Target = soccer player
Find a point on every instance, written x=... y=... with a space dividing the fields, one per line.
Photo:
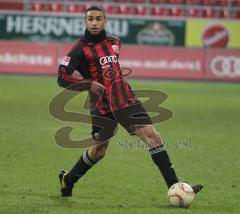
x=95 y=57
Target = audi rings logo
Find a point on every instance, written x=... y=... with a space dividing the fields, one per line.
x=223 y=66
x=108 y=59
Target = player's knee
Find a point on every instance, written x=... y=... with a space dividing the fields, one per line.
x=98 y=152
x=151 y=134
x=153 y=138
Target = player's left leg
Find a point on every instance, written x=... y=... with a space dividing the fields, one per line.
x=158 y=153
x=136 y=121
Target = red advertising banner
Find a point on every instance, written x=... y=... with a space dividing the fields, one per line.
x=155 y=62
x=145 y=62
x=27 y=58
x=223 y=64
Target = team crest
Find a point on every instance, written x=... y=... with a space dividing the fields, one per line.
x=115 y=48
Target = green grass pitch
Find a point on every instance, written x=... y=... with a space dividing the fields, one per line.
x=126 y=180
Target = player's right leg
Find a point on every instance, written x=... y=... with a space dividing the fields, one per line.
x=102 y=130
x=87 y=160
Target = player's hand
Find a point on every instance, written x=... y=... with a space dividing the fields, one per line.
x=97 y=88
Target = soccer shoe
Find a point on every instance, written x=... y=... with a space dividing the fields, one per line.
x=66 y=189
x=197 y=188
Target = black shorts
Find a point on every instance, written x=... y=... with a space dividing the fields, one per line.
x=104 y=126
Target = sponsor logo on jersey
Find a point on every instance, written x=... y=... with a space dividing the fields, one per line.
x=108 y=59
x=66 y=60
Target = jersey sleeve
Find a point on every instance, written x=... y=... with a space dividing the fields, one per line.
x=120 y=44
x=66 y=68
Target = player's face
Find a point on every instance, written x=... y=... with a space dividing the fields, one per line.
x=95 y=21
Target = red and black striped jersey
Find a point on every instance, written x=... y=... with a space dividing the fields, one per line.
x=97 y=59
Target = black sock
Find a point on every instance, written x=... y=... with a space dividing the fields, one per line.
x=79 y=169
x=161 y=159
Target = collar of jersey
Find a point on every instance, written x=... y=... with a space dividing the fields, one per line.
x=95 y=38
